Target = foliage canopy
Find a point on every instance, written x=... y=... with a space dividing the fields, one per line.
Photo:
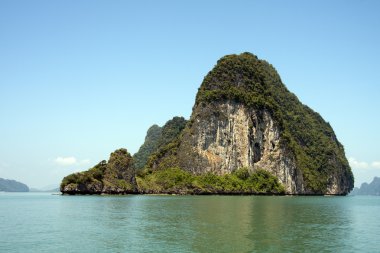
x=178 y=181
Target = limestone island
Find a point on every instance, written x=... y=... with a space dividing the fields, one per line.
x=247 y=134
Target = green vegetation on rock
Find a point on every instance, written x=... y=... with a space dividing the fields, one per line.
x=150 y=145
x=116 y=176
x=170 y=137
x=178 y=181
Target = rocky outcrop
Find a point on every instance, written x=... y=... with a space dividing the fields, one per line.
x=117 y=176
x=247 y=135
x=245 y=117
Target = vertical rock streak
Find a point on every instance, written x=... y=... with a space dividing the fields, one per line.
x=236 y=137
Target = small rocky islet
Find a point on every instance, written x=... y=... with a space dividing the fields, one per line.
x=248 y=134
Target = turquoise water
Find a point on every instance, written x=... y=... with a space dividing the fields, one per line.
x=42 y=222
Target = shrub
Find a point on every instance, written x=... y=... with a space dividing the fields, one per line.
x=176 y=180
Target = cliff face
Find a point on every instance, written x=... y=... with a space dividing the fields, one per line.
x=226 y=136
x=245 y=117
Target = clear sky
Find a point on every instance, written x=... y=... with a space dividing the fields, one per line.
x=79 y=79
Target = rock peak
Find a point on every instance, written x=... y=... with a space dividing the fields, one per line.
x=237 y=77
x=244 y=116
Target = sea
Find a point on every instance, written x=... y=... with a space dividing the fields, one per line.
x=50 y=222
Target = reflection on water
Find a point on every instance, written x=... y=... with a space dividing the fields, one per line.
x=220 y=224
x=297 y=223
x=47 y=223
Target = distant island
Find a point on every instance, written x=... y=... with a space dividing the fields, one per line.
x=372 y=188
x=248 y=134
x=8 y=185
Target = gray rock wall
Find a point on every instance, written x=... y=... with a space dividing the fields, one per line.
x=226 y=136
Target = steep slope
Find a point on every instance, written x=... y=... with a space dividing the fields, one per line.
x=244 y=116
x=170 y=136
x=149 y=146
x=117 y=176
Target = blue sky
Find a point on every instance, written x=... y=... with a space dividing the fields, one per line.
x=79 y=79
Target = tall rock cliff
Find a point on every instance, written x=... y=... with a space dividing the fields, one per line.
x=244 y=116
